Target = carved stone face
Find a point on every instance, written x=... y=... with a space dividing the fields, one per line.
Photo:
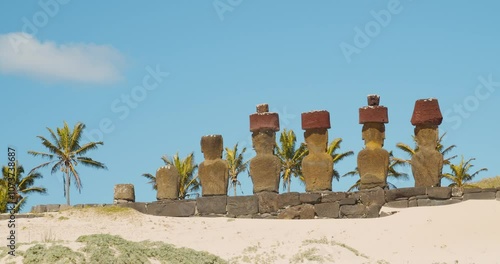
x=212 y=146
x=373 y=134
x=427 y=136
x=264 y=142
x=316 y=139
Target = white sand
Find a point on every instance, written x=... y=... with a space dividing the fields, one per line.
x=468 y=232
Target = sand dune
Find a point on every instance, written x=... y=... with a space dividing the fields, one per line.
x=467 y=232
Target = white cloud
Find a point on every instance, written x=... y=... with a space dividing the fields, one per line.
x=23 y=54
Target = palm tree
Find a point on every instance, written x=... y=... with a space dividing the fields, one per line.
x=439 y=147
x=66 y=153
x=460 y=175
x=236 y=165
x=391 y=173
x=3 y=196
x=290 y=156
x=332 y=148
x=186 y=167
x=23 y=186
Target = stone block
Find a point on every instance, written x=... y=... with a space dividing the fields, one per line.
x=140 y=207
x=444 y=202
x=439 y=192
x=268 y=202
x=426 y=112
x=424 y=202
x=498 y=195
x=333 y=197
x=353 y=211
x=392 y=195
x=303 y=211
x=373 y=211
x=348 y=201
x=242 y=205
x=330 y=210
x=167 y=182
x=211 y=205
x=124 y=192
x=264 y=121
x=63 y=207
x=472 y=190
x=310 y=198
x=479 y=196
x=457 y=192
x=172 y=208
x=315 y=119
x=373 y=114
x=397 y=204
x=38 y=209
x=288 y=199
x=412 y=203
x=53 y=207
x=370 y=196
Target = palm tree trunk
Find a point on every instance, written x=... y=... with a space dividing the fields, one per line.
x=234 y=185
x=289 y=181
x=67 y=188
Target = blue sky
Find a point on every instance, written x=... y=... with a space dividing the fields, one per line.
x=207 y=65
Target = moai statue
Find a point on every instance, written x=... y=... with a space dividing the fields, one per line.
x=317 y=166
x=373 y=160
x=214 y=171
x=167 y=183
x=265 y=167
x=427 y=162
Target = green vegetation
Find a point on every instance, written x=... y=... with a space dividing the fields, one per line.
x=236 y=165
x=290 y=156
x=65 y=152
x=23 y=187
x=54 y=254
x=460 y=175
x=493 y=182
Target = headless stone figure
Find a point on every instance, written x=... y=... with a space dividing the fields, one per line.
x=167 y=183
x=373 y=160
x=427 y=162
x=317 y=166
x=213 y=171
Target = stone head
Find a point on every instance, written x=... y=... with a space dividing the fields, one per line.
x=264 y=141
x=316 y=139
x=373 y=134
x=212 y=146
x=427 y=136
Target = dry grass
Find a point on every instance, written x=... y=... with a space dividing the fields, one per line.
x=493 y=182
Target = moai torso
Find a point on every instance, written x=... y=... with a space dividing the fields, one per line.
x=373 y=160
x=265 y=167
x=167 y=183
x=213 y=171
x=317 y=166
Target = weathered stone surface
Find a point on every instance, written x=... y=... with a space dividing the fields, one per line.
x=439 y=192
x=472 y=190
x=353 y=211
x=167 y=182
x=427 y=162
x=373 y=211
x=370 y=196
x=457 y=192
x=264 y=216
x=397 y=204
x=348 y=201
x=373 y=114
x=63 y=207
x=392 y=195
x=38 y=209
x=242 y=205
x=479 y=196
x=373 y=160
x=333 y=197
x=172 y=208
x=140 y=207
x=304 y=211
x=317 y=166
x=412 y=203
x=124 y=192
x=373 y=99
x=268 y=202
x=444 y=202
x=213 y=171
x=52 y=207
x=310 y=198
x=315 y=119
x=330 y=210
x=265 y=167
x=488 y=190
x=426 y=112
x=120 y=201
x=498 y=195
x=262 y=108
x=288 y=199
x=264 y=121
x=211 y=205
x=424 y=202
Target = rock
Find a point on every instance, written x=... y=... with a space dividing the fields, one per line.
x=124 y=192
x=63 y=207
x=479 y=196
x=304 y=211
x=333 y=197
x=457 y=192
x=498 y=195
x=310 y=198
x=288 y=199
x=439 y=192
x=140 y=207
x=397 y=204
x=330 y=210
x=268 y=202
x=52 y=207
x=167 y=182
x=348 y=201
x=371 y=196
x=472 y=190
x=426 y=112
x=373 y=211
x=307 y=211
x=242 y=205
x=444 y=202
x=373 y=160
x=211 y=205
x=412 y=203
x=213 y=171
x=392 y=195
x=264 y=121
x=38 y=209
x=353 y=211
x=172 y=208
x=424 y=202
